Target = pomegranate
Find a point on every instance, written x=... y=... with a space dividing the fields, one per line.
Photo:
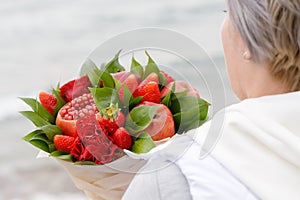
x=77 y=108
x=162 y=125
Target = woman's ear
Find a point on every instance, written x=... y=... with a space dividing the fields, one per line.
x=247 y=56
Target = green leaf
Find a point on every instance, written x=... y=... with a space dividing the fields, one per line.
x=142 y=144
x=186 y=119
x=189 y=112
x=84 y=163
x=62 y=155
x=60 y=102
x=39 y=109
x=38 y=139
x=51 y=130
x=152 y=67
x=203 y=107
x=140 y=118
x=166 y=100
x=127 y=96
x=87 y=67
x=40 y=144
x=35 y=118
x=94 y=77
x=136 y=68
x=178 y=95
x=114 y=66
x=134 y=101
x=118 y=84
x=34 y=135
x=29 y=136
x=162 y=80
x=51 y=147
x=104 y=97
x=186 y=103
x=129 y=101
x=107 y=79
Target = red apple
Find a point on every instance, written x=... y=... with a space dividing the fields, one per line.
x=180 y=86
x=162 y=125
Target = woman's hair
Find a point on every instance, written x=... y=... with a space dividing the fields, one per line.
x=271 y=31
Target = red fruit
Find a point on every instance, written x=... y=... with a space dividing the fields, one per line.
x=77 y=108
x=95 y=140
x=150 y=92
x=180 y=86
x=122 y=138
x=132 y=82
x=111 y=119
x=162 y=125
x=152 y=77
x=79 y=151
x=75 y=88
x=63 y=142
x=168 y=77
x=121 y=76
x=149 y=89
x=48 y=101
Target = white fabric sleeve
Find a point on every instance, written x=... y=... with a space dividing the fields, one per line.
x=158 y=180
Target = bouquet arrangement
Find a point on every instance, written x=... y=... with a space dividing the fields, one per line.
x=92 y=119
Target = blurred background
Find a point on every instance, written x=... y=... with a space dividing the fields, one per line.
x=45 y=41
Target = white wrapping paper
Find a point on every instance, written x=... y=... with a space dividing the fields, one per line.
x=108 y=181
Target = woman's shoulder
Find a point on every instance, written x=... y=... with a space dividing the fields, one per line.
x=178 y=172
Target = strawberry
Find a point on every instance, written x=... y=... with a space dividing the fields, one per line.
x=48 y=101
x=63 y=142
x=75 y=88
x=149 y=89
x=111 y=118
x=150 y=92
x=122 y=138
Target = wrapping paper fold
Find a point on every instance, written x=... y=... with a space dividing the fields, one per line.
x=108 y=181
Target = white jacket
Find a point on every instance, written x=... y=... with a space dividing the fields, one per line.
x=257 y=156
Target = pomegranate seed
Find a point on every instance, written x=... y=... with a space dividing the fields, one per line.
x=84 y=98
x=91 y=112
x=81 y=115
x=79 y=107
x=84 y=110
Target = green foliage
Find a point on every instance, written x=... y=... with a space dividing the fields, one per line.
x=140 y=118
x=142 y=144
x=114 y=65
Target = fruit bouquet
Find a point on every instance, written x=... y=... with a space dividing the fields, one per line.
x=88 y=123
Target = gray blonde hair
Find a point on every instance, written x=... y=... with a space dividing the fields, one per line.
x=271 y=31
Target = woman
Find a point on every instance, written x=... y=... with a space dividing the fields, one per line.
x=258 y=154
